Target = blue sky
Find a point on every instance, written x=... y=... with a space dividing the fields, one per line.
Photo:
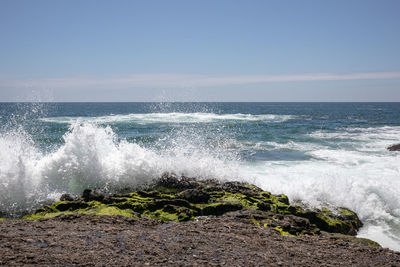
x=200 y=50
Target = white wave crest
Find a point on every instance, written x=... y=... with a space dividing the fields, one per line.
x=174 y=117
x=93 y=157
x=362 y=139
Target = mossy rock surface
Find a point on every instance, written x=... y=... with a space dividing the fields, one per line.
x=360 y=240
x=173 y=198
x=337 y=220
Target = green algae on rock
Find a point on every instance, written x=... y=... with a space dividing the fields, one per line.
x=360 y=240
x=173 y=198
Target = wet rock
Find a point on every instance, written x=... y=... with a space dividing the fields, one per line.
x=184 y=214
x=173 y=198
x=66 y=197
x=172 y=181
x=196 y=196
x=90 y=195
x=395 y=147
x=221 y=208
x=135 y=207
x=240 y=187
x=70 y=205
x=341 y=221
x=2 y=214
x=151 y=194
x=283 y=198
x=158 y=204
x=284 y=224
x=264 y=206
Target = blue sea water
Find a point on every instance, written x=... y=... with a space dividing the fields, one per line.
x=317 y=153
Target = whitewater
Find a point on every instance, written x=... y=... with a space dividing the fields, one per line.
x=317 y=153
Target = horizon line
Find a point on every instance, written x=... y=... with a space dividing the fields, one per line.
x=180 y=81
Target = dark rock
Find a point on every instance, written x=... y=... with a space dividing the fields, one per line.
x=92 y=195
x=66 y=197
x=284 y=199
x=136 y=207
x=290 y=224
x=240 y=187
x=45 y=209
x=184 y=198
x=395 y=147
x=71 y=205
x=151 y=194
x=2 y=214
x=111 y=200
x=352 y=232
x=264 y=206
x=221 y=208
x=292 y=209
x=346 y=222
x=196 y=196
x=184 y=214
x=161 y=203
x=172 y=181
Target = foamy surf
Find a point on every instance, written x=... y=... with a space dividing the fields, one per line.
x=331 y=183
x=364 y=177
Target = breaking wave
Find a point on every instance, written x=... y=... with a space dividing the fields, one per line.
x=351 y=169
x=93 y=157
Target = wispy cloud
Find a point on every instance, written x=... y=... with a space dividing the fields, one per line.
x=184 y=80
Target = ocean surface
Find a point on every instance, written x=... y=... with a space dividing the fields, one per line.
x=318 y=153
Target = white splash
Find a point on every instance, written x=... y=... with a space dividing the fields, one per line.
x=93 y=157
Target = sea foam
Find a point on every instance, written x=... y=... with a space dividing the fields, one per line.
x=353 y=169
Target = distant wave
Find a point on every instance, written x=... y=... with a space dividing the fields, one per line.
x=372 y=139
x=146 y=118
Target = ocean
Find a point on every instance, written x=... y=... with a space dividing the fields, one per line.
x=322 y=154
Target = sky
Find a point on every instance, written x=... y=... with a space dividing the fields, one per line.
x=264 y=51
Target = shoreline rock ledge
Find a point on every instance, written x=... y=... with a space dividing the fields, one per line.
x=173 y=198
x=181 y=221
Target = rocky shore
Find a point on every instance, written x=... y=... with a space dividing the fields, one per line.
x=184 y=221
